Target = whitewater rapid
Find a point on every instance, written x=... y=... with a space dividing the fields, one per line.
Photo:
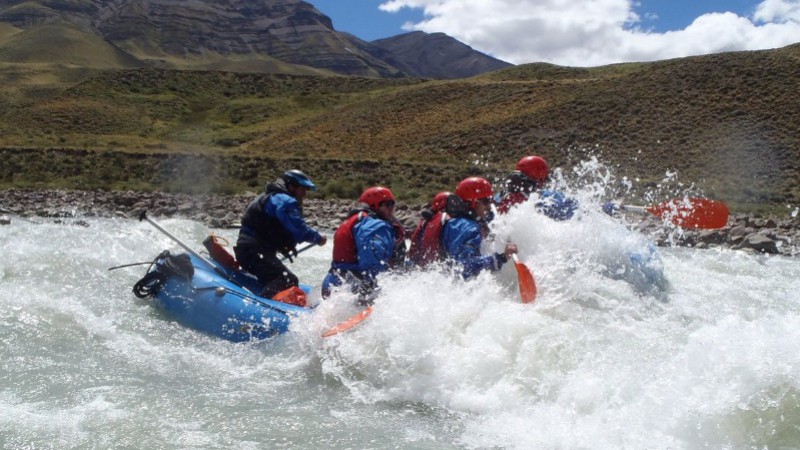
x=595 y=362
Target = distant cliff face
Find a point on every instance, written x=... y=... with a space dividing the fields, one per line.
x=166 y=32
x=291 y=31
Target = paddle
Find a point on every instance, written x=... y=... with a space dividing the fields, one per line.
x=349 y=323
x=527 y=285
x=692 y=212
x=302 y=249
x=143 y=216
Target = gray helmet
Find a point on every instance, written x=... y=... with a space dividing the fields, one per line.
x=298 y=178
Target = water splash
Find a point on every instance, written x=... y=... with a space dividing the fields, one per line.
x=441 y=363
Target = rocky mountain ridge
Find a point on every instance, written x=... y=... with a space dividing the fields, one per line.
x=287 y=36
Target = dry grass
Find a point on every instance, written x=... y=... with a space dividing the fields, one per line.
x=727 y=123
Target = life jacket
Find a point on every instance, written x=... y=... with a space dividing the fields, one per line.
x=416 y=236
x=344 y=241
x=263 y=229
x=517 y=189
x=511 y=199
x=426 y=243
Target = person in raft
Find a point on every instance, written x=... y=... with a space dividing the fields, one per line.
x=273 y=223
x=461 y=234
x=370 y=241
x=424 y=247
x=530 y=175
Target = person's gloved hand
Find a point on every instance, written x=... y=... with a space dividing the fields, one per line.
x=367 y=291
x=610 y=208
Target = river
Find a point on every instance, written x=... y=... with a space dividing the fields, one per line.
x=596 y=362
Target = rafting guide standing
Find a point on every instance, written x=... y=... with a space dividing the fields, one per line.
x=273 y=223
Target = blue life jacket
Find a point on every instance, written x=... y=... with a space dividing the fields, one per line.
x=461 y=240
x=556 y=205
x=274 y=220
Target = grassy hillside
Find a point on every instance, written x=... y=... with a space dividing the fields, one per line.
x=63 y=44
x=726 y=123
x=7 y=30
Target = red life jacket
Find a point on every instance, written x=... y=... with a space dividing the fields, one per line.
x=344 y=242
x=426 y=243
x=514 y=198
x=416 y=236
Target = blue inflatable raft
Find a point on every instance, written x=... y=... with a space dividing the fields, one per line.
x=214 y=300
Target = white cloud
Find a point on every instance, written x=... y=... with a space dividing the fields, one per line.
x=596 y=32
x=779 y=11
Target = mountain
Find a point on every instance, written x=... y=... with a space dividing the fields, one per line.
x=286 y=36
x=437 y=55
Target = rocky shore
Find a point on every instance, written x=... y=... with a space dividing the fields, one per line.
x=215 y=211
x=778 y=236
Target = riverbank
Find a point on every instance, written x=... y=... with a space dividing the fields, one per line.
x=770 y=235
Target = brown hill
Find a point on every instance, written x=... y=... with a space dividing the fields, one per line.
x=436 y=55
x=63 y=43
x=726 y=123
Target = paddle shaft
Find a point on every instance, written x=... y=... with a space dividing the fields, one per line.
x=143 y=216
x=304 y=248
x=637 y=209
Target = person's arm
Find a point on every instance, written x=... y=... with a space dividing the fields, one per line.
x=463 y=243
x=287 y=210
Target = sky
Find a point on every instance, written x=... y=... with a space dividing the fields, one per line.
x=579 y=33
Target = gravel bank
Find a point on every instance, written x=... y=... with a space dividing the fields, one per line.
x=780 y=236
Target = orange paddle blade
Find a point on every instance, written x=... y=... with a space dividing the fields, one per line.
x=693 y=212
x=527 y=285
x=349 y=323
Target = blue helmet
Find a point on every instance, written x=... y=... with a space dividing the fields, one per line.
x=298 y=178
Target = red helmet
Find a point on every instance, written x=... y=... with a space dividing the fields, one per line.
x=375 y=195
x=474 y=188
x=440 y=201
x=535 y=167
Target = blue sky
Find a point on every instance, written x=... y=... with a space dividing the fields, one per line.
x=579 y=32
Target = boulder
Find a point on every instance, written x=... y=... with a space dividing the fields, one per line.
x=760 y=243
